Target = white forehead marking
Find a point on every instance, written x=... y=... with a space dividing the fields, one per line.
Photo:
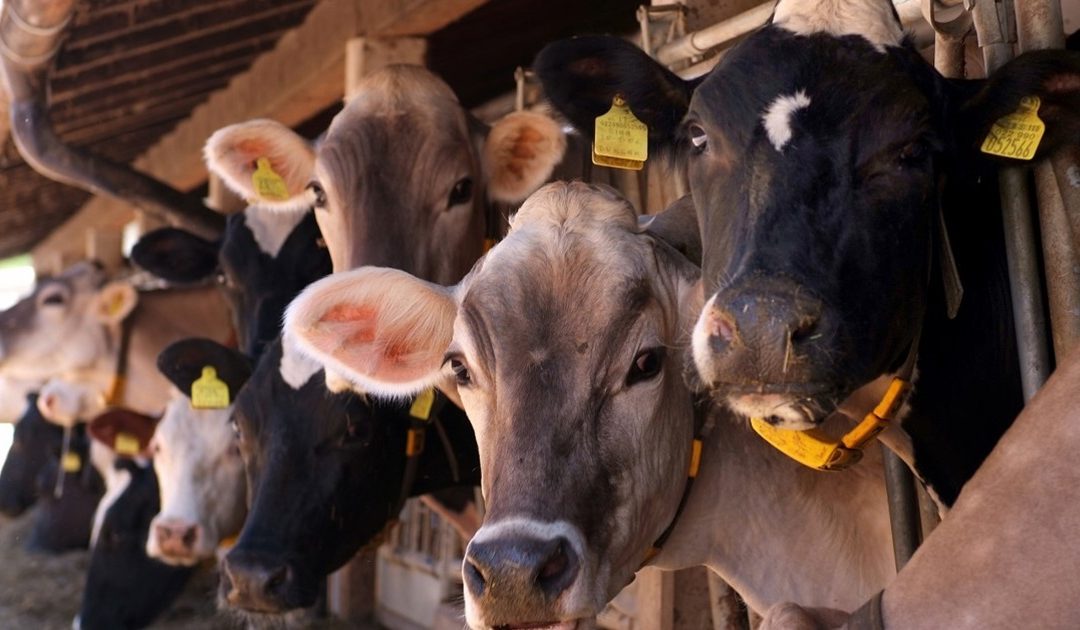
x=272 y=227
x=777 y=118
x=296 y=369
x=873 y=19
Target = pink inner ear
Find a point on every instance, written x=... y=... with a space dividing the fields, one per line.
x=250 y=149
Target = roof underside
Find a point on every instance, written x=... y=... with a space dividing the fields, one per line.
x=130 y=70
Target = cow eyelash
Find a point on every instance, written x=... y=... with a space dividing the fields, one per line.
x=460 y=370
x=316 y=189
x=647 y=365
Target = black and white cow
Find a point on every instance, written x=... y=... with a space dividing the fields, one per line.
x=125 y=588
x=822 y=153
x=29 y=479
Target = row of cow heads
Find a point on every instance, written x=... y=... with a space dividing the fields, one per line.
x=566 y=345
x=816 y=153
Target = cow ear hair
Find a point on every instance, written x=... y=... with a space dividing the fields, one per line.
x=1051 y=75
x=182 y=362
x=383 y=330
x=582 y=75
x=176 y=255
x=233 y=154
x=520 y=152
x=677 y=226
x=115 y=301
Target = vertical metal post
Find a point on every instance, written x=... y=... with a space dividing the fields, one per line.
x=995 y=28
x=903 y=507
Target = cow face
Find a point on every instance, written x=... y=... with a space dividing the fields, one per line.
x=61 y=326
x=197 y=458
x=565 y=346
x=815 y=152
x=402 y=163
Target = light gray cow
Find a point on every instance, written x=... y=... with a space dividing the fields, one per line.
x=567 y=345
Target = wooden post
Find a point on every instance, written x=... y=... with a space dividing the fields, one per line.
x=103 y=244
x=220 y=198
x=364 y=55
x=656 y=599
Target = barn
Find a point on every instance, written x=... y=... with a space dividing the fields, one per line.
x=639 y=315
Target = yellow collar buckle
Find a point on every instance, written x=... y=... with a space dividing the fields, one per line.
x=815 y=449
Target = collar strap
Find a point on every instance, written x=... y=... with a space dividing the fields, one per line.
x=115 y=394
x=815 y=449
x=422 y=413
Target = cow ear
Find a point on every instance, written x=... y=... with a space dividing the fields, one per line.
x=520 y=152
x=582 y=75
x=176 y=255
x=677 y=226
x=264 y=162
x=124 y=431
x=182 y=362
x=382 y=329
x=114 y=302
x=1053 y=76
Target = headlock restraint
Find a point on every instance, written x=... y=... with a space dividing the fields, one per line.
x=423 y=412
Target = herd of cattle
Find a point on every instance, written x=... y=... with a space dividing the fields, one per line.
x=593 y=371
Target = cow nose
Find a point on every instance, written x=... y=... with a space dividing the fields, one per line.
x=520 y=568
x=776 y=319
x=256 y=583
x=177 y=539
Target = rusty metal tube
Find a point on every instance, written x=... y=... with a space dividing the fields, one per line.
x=30 y=32
x=904 y=514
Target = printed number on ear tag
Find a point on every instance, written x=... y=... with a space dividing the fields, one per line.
x=71 y=462
x=269 y=186
x=1017 y=135
x=208 y=392
x=621 y=140
x=126 y=444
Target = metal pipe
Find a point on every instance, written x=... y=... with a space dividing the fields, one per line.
x=904 y=514
x=949 y=56
x=30 y=32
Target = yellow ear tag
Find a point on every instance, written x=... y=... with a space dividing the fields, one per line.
x=126 y=444
x=115 y=304
x=208 y=392
x=269 y=186
x=421 y=407
x=71 y=462
x=1017 y=135
x=620 y=139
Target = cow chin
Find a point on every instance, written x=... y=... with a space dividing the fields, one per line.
x=785 y=411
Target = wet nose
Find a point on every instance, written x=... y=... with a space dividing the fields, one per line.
x=177 y=539
x=774 y=319
x=256 y=583
x=520 y=569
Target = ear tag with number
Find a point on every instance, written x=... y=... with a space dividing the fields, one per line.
x=71 y=462
x=126 y=444
x=421 y=407
x=620 y=139
x=1017 y=135
x=269 y=186
x=209 y=392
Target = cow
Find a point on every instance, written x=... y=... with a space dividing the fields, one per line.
x=325 y=474
x=73 y=327
x=197 y=458
x=845 y=207
x=566 y=344
x=405 y=177
x=1004 y=556
x=29 y=478
x=125 y=589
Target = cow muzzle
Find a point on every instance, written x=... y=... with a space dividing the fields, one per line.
x=175 y=542
x=259 y=583
x=524 y=575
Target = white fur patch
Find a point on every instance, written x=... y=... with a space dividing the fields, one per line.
x=872 y=19
x=777 y=118
x=699 y=344
x=272 y=227
x=295 y=368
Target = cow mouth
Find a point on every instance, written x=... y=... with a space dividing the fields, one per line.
x=784 y=408
x=572 y=624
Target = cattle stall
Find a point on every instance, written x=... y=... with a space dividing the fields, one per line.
x=111 y=110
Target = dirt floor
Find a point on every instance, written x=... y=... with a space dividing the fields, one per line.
x=42 y=592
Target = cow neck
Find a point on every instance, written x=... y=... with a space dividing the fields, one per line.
x=703 y=425
x=423 y=413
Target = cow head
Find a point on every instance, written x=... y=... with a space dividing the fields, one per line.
x=63 y=325
x=402 y=163
x=196 y=458
x=816 y=151
x=566 y=346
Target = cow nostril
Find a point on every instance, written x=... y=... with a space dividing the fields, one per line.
x=554 y=565
x=720 y=325
x=474 y=578
x=558 y=570
x=189 y=537
x=276 y=579
x=804 y=329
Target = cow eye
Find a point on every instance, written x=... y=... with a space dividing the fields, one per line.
x=646 y=366
x=913 y=153
x=319 y=194
x=698 y=138
x=235 y=426
x=461 y=192
x=54 y=299
x=461 y=373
